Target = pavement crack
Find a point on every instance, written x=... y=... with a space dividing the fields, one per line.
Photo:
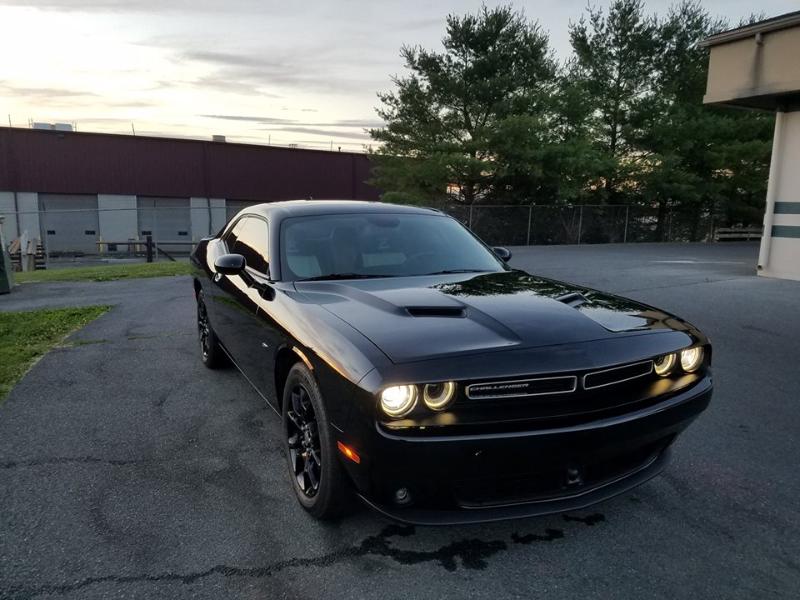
x=64 y=460
x=471 y=553
x=590 y=520
x=549 y=536
x=672 y=285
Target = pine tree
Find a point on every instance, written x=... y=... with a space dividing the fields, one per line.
x=449 y=122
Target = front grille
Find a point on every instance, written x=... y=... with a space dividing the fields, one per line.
x=557 y=384
x=617 y=375
x=520 y=388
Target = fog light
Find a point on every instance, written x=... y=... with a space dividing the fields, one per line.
x=691 y=359
x=402 y=496
x=398 y=400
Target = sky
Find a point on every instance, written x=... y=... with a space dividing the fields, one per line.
x=258 y=71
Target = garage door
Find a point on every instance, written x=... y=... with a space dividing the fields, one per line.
x=167 y=220
x=69 y=223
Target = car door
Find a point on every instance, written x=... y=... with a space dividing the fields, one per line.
x=234 y=312
x=249 y=332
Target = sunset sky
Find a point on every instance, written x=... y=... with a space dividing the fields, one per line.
x=256 y=71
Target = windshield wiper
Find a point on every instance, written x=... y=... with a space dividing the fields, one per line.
x=451 y=271
x=335 y=276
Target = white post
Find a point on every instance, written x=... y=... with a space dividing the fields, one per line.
x=772 y=192
x=23 y=250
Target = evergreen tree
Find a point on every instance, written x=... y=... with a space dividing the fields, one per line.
x=614 y=55
x=494 y=118
x=449 y=120
x=700 y=160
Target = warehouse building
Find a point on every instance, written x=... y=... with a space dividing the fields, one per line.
x=757 y=67
x=78 y=192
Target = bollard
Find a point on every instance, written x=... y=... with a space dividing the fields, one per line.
x=6 y=278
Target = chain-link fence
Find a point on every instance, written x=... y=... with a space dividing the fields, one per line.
x=176 y=226
x=521 y=225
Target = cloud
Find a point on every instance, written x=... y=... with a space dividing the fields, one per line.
x=148 y=6
x=330 y=133
x=247 y=118
x=57 y=96
x=313 y=69
x=417 y=24
x=346 y=123
x=43 y=93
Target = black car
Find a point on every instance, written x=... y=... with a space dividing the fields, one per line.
x=411 y=365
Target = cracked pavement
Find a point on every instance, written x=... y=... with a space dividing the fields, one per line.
x=128 y=470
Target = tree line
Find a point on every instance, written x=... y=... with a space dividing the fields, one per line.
x=495 y=118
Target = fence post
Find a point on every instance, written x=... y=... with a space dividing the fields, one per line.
x=580 y=223
x=149 y=248
x=625 y=232
x=155 y=226
x=470 y=216
x=530 y=216
x=669 y=225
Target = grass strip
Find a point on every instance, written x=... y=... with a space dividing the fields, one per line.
x=26 y=336
x=106 y=272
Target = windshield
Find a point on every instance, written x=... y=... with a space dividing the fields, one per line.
x=379 y=245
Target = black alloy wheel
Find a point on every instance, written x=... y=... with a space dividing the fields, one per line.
x=318 y=477
x=203 y=328
x=305 y=456
x=210 y=350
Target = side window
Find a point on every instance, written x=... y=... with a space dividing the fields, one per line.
x=233 y=234
x=252 y=243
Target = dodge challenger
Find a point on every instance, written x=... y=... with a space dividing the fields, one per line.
x=413 y=368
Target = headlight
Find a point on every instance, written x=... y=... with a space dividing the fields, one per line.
x=664 y=364
x=691 y=359
x=438 y=395
x=398 y=400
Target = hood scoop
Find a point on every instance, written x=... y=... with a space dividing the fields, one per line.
x=436 y=311
x=573 y=299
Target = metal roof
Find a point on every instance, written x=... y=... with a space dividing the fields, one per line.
x=791 y=19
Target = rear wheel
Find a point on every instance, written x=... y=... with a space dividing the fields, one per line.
x=210 y=351
x=317 y=476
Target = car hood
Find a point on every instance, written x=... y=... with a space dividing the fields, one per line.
x=414 y=318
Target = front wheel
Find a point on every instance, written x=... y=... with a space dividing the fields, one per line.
x=317 y=476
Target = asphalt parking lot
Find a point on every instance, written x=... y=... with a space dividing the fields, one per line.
x=128 y=470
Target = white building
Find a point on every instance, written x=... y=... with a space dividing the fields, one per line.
x=758 y=67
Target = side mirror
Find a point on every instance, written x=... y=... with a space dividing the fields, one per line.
x=230 y=264
x=502 y=253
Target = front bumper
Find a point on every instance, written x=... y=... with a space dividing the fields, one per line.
x=499 y=476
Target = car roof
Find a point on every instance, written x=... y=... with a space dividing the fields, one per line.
x=295 y=208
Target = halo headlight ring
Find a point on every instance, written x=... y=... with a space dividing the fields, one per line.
x=437 y=396
x=664 y=365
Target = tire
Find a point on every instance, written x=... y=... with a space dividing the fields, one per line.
x=317 y=476
x=211 y=353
